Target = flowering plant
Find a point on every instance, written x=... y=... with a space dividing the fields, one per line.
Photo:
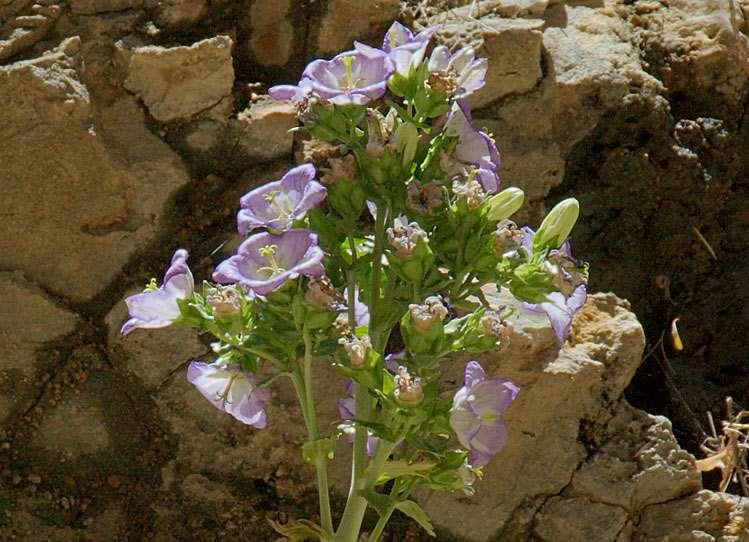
x=372 y=259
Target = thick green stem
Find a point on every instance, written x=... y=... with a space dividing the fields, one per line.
x=306 y=398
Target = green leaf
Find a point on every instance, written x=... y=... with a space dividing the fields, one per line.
x=298 y=531
x=383 y=504
x=416 y=513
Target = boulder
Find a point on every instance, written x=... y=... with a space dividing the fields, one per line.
x=180 y=82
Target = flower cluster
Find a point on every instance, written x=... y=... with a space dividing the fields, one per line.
x=391 y=245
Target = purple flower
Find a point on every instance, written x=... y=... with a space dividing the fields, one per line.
x=295 y=93
x=347 y=411
x=561 y=310
x=392 y=359
x=476 y=415
x=264 y=261
x=353 y=77
x=156 y=308
x=474 y=146
x=278 y=204
x=405 y=49
x=232 y=390
x=467 y=71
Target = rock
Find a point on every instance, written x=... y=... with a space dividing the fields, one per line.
x=179 y=82
x=28 y=320
x=347 y=20
x=706 y=515
x=698 y=47
x=28 y=27
x=263 y=129
x=179 y=14
x=271 y=38
x=503 y=8
x=604 y=351
x=151 y=355
x=512 y=47
x=96 y=186
x=89 y=7
x=579 y=519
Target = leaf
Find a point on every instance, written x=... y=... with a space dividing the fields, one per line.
x=298 y=531
x=416 y=513
x=381 y=503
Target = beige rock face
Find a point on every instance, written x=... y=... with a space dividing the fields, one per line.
x=179 y=82
x=86 y=199
x=179 y=14
x=28 y=320
x=703 y=516
x=88 y=7
x=263 y=129
x=347 y=20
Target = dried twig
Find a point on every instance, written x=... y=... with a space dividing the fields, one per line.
x=728 y=451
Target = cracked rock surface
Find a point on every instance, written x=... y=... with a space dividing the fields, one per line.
x=132 y=127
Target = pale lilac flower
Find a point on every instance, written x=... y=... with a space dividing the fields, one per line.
x=295 y=93
x=467 y=71
x=347 y=411
x=353 y=77
x=561 y=310
x=158 y=308
x=278 y=204
x=392 y=359
x=474 y=146
x=232 y=390
x=264 y=262
x=405 y=49
x=476 y=414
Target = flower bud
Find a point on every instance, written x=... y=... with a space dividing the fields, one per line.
x=356 y=349
x=404 y=237
x=224 y=300
x=505 y=204
x=408 y=390
x=407 y=141
x=557 y=225
x=427 y=316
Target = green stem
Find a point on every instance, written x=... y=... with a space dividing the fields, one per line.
x=321 y=462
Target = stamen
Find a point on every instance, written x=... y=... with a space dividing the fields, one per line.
x=224 y=395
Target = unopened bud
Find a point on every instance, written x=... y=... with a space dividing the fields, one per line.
x=356 y=349
x=557 y=225
x=407 y=141
x=408 y=389
x=431 y=313
x=505 y=204
x=405 y=236
x=224 y=300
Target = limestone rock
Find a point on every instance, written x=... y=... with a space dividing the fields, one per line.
x=89 y=7
x=28 y=320
x=179 y=14
x=263 y=129
x=579 y=519
x=705 y=515
x=347 y=20
x=83 y=201
x=179 y=82
x=697 y=46
x=151 y=355
x=271 y=38
x=29 y=26
x=560 y=389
